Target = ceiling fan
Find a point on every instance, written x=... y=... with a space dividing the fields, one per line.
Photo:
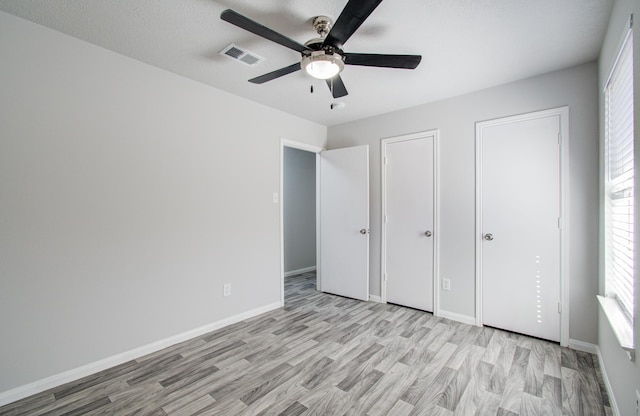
x=323 y=57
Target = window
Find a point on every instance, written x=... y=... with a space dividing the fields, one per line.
x=619 y=181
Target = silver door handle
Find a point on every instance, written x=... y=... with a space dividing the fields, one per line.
x=364 y=231
x=427 y=233
x=488 y=237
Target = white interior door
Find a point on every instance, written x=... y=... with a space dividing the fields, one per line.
x=520 y=225
x=409 y=221
x=344 y=222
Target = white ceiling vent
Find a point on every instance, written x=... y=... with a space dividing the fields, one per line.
x=242 y=55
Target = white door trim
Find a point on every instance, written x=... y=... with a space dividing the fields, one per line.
x=563 y=113
x=435 y=134
x=309 y=148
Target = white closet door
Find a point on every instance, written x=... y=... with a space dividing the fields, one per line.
x=409 y=221
x=520 y=234
x=344 y=222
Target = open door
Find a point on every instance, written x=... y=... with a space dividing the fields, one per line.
x=344 y=222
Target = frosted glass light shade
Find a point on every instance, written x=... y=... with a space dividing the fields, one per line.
x=321 y=65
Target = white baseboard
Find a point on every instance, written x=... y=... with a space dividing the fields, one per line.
x=574 y=344
x=374 y=298
x=300 y=271
x=92 y=368
x=607 y=383
x=465 y=319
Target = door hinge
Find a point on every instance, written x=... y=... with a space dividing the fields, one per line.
x=559 y=307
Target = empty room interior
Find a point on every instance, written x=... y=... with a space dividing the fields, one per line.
x=346 y=207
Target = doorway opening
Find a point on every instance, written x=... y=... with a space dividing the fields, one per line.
x=298 y=218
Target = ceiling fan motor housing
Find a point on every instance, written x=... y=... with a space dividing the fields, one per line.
x=322 y=25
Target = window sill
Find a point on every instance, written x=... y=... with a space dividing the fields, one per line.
x=619 y=323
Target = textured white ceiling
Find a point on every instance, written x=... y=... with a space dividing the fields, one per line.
x=467 y=45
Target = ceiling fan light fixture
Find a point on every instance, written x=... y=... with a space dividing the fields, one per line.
x=322 y=65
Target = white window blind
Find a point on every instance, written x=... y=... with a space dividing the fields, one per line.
x=619 y=181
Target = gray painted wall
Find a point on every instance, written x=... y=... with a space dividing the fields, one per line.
x=455 y=118
x=128 y=197
x=624 y=375
x=299 y=208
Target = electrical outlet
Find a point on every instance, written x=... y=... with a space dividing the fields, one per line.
x=227 y=289
x=446 y=284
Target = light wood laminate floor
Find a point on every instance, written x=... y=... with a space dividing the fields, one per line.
x=328 y=355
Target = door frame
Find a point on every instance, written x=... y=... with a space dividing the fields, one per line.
x=436 y=212
x=563 y=141
x=313 y=149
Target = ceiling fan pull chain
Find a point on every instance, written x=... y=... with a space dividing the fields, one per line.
x=331 y=88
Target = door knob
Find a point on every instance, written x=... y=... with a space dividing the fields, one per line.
x=427 y=233
x=364 y=231
x=488 y=237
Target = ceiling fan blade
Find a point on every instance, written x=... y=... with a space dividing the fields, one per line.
x=276 y=74
x=337 y=87
x=352 y=16
x=245 y=23
x=385 y=61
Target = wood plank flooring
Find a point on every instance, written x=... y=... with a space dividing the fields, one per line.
x=328 y=355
